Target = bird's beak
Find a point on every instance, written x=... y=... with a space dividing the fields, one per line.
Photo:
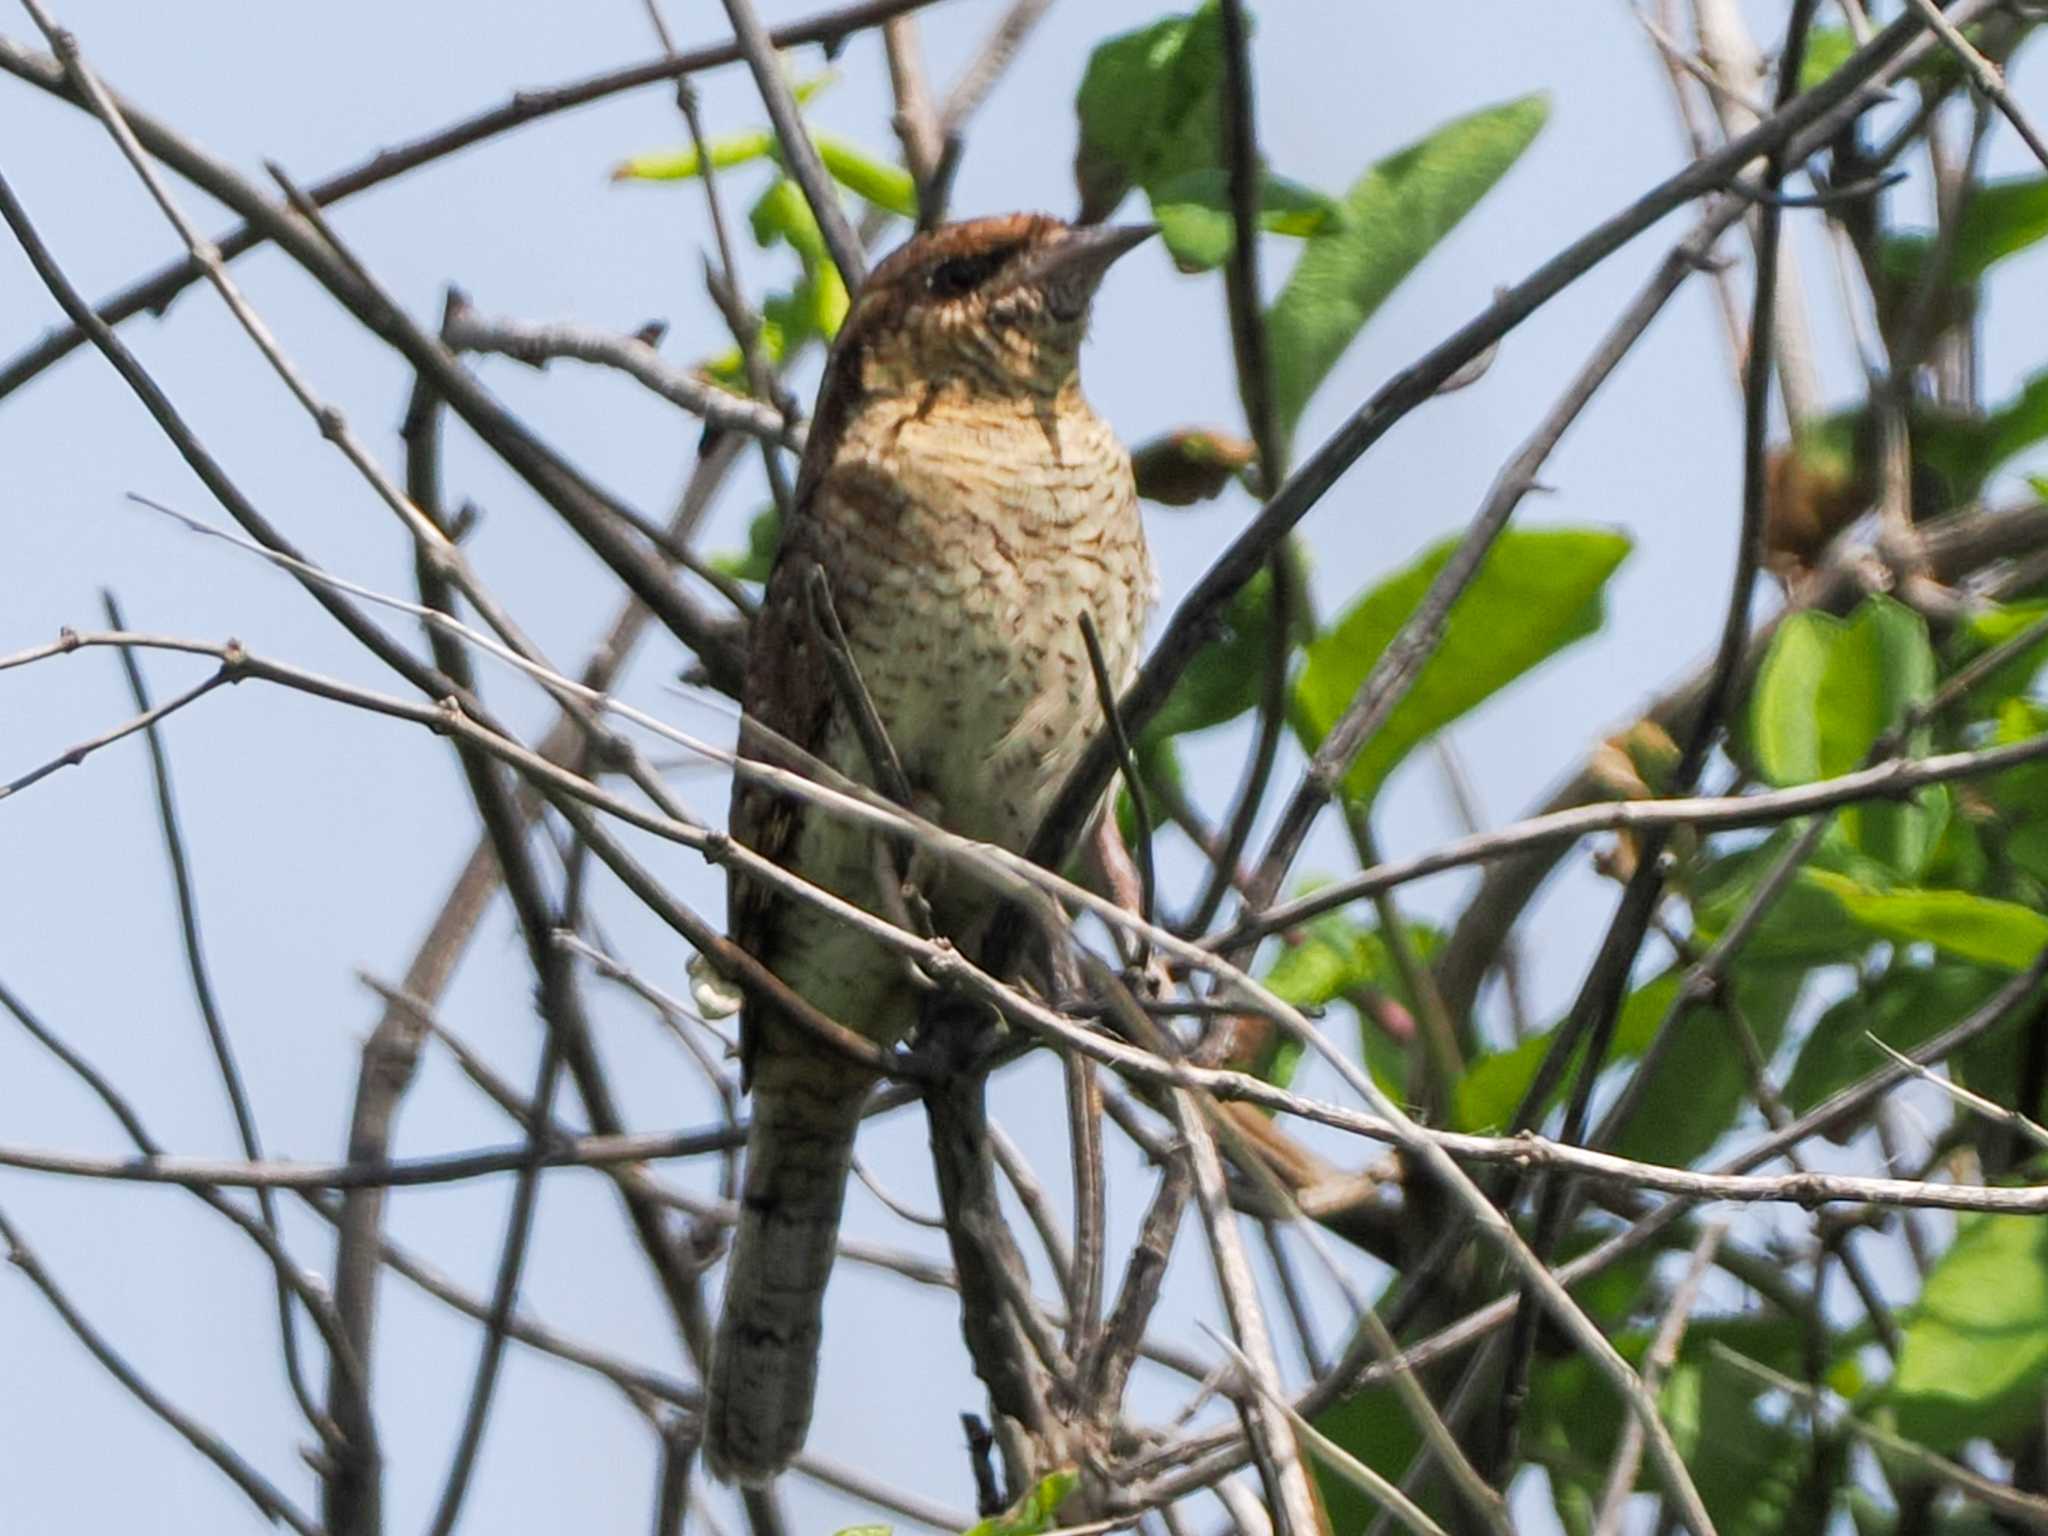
x=1070 y=269
x=1087 y=251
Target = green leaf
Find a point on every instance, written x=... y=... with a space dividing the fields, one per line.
x=1227 y=674
x=764 y=532
x=1830 y=687
x=1975 y=1352
x=1701 y=1085
x=1374 y=1427
x=2019 y=423
x=1194 y=214
x=865 y=1530
x=1335 y=960
x=1485 y=1098
x=1802 y=923
x=817 y=305
x=727 y=151
x=1149 y=108
x=1826 y=50
x=1036 y=1512
x=888 y=187
x=2000 y=219
x=1537 y=592
x=1827 y=690
x=1749 y=1466
x=1394 y=215
x=1976 y=928
x=683 y=164
x=1913 y=1003
x=1992 y=627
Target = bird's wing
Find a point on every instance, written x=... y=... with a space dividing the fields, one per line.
x=788 y=692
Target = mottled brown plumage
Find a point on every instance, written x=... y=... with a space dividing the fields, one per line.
x=967 y=507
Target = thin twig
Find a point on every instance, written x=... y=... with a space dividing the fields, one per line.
x=1628 y=1455
x=156 y=291
x=2029 y=1509
x=1990 y=1109
x=536 y=344
x=1134 y=784
x=261 y=1492
x=1808 y=120
x=208 y=1002
x=1984 y=75
x=799 y=155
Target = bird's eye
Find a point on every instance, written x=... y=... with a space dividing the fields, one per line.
x=963 y=274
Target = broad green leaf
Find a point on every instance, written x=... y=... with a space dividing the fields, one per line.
x=1700 y=1085
x=817 y=305
x=727 y=150
x=1827 y=690
x=2000 y=219
x=781 y=216
x=1537 y=592
x=1393 y=216
x=1975 y=928
x=1975 y=1351
x=682 y=164
x=1159 y=766
x=1748 y=1465
x=1195 y=219
x=2027 y=847
x=888 y=187
x=1036 y=1512
x=1911 y=1004
x=1148 y=108
x=1966 y=450
x=1573 y=1421
x=2021 y=793
x=1830 y=687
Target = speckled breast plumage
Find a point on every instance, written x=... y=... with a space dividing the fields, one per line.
x=962 y=541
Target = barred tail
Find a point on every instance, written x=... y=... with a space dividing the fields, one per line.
x=764 y=1369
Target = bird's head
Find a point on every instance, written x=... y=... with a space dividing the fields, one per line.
x=999 y=303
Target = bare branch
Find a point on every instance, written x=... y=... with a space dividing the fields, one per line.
x=799 y=154
x=261 y=1492
x=535 y=344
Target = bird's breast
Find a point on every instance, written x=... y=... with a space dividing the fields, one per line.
x=963 y=551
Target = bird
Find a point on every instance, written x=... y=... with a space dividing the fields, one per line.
x=967 y=507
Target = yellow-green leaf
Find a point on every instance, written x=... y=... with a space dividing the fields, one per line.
x=1980 y=928
x=888 y=187
x=1036 y=1512
x=682 y=164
